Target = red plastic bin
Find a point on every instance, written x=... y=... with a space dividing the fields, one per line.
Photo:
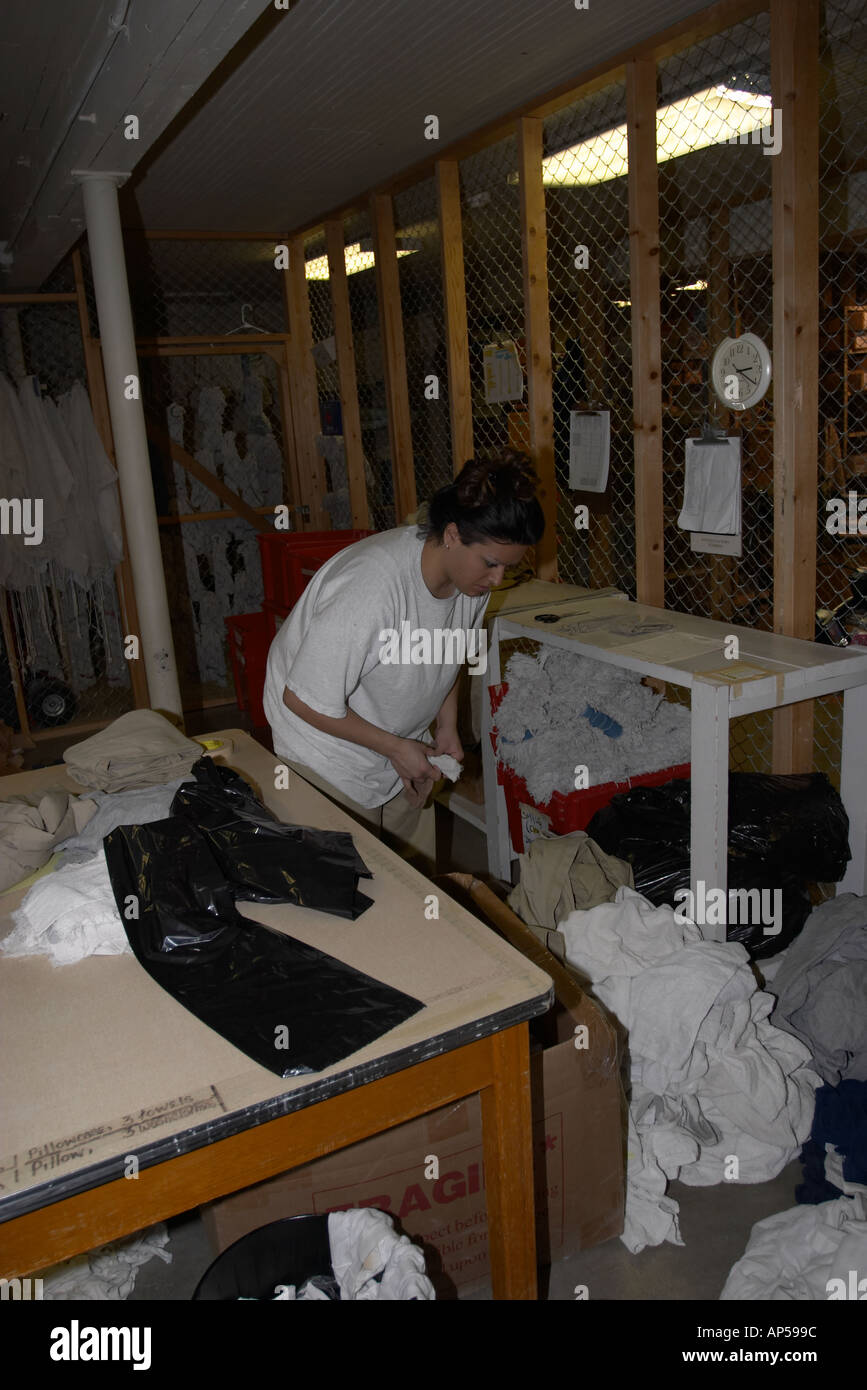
x=291 y=558
x=566 y=811
x=250 y=636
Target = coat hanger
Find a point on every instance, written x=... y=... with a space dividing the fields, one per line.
x=245 y=326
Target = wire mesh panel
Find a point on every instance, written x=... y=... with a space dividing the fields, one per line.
x=587 y=217
x=182 y=288
x=336 y=500
x=370 y=371
x=716 y=137
x=417 y=235
x=491 y=220
x=223 y=410
x=841 y=552
x=64 y=617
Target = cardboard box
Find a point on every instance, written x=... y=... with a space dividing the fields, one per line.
x=429 y=1173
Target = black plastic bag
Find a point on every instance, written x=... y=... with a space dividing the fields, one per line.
x=784 y=832
x=289 y=1006
x=267 y=860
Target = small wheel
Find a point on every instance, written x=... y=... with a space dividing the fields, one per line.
x=49 y=702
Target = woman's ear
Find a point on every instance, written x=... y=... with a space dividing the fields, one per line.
x=451 y=535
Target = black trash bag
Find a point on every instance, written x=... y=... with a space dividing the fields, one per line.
x=291 y=1008
x=796 y=822
x=777 y=830
x=267 y=860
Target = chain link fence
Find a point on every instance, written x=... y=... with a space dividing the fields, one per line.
x=841 y=557
x=417 y=234
x=715 y=128
x=325 y=358
x=182 y=288
x=493 y=270
x=62 y=632
x=370 y=370
x=587 y=217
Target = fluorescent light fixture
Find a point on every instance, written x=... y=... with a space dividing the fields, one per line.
x=622 y=303
x=356 y=260
x=706 y=118
x=696 y=285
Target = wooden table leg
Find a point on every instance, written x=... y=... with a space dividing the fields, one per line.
x=507 y=1136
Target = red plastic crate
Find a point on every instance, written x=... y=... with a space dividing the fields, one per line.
x=566 y=811
x=291 y=558
x=277 y=614
x=250 y=637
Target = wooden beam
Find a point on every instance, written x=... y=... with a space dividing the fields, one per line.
x=795 y=194
x=226 y=514
x=592 y=336
x=646 y=347
x=99 y=405
x=239 y=342
x=537 y=332
x=161 y=436
x=207 y=235
x=302 y=386
x=687 y=32
x=212 y=348
x=292 y=483
x=393 y=356
x=70 y=298
x=342 y=318
x=455 y=305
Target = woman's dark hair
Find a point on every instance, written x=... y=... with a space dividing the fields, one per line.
x=491 y=499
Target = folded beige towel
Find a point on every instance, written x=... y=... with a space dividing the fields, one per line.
x=140 y=749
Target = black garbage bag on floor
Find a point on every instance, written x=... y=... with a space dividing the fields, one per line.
x=784 y=832
x=289 y=1006
x=267 y=860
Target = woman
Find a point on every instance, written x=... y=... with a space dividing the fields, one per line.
x=370 y=655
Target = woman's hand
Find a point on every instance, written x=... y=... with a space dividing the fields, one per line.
x=409 y=761
x=447 y=741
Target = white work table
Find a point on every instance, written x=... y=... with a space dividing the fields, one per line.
x=769 y=672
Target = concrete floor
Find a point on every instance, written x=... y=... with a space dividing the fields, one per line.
x=715 y=1222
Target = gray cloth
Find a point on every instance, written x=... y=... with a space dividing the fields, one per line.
x=140 y=749
x=562 y=875
x=821 y=988
x=32 y=828
x=119 y=808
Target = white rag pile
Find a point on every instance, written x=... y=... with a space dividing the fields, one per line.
x=106 y=1273
x=364 y=1245
x=809 y=1252
x=546 y=698
x=712 y=1078
x=68 y=915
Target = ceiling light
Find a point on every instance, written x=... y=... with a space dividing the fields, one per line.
x=696 y=285
x=356 y=260
x=710 y=117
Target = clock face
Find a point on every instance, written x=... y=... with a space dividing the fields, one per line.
x=741 y=371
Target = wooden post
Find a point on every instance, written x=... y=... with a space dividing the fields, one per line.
x=342 y=317
x=394 y=355
x=591 y=335
x=537 y=331
x=306 y=426
x=99 y=406
x=646 y=347
x=720 y=567
x=795 y=174
x=455 y=304
x=291 y=473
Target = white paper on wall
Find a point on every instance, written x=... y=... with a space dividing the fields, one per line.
x=589 y=449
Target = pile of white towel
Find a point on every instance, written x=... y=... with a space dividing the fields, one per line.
x=717 y=1092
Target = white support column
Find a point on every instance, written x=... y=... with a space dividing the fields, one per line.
x=117 y=339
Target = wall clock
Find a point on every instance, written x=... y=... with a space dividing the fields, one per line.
x=741 y=371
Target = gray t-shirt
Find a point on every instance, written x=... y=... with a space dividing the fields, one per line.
x=329 y=652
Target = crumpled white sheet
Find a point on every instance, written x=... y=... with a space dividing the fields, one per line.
x=69 y=915
x=711 y=1076
x=364 y=1244
x=109 y=1272
x=547 y=696
x=795 y=1254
